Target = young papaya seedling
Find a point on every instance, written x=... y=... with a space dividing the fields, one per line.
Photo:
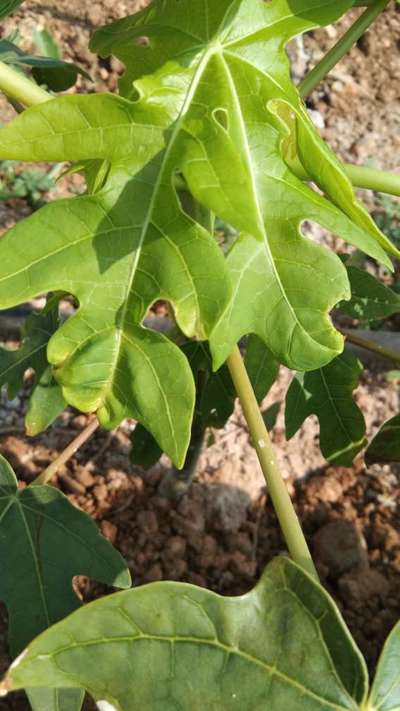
x=208 y=128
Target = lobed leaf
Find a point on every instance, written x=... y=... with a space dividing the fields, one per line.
x=117 y=251
x=246 y=114
x=171 y=645
x=8 y=6
x=44 y=542
x=328 y=393
x=385 y=446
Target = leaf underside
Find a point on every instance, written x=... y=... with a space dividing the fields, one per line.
x=370 y=299
x=170 y=646
x=328 y=393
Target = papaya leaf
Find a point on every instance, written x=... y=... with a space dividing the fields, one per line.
x=8 y=6
x=261 y=366
x=38 y=329
x=170 y=645
x=46 y=401
x=328 y=394
x=247 y=114
x=118 y=251
x=45 y=404
x=385 y=446
x=385 y=692
x=44 y=542
x=145 y=451
x=370 y=299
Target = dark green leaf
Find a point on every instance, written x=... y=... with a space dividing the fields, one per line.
x=328 y=393
x=8 y=6
x=370 y=299
x=385 y=447
x=261 y=366
x=44 y=542
x=270 y=415
x=168 y=646
x=38 y=329
x=145 y=451
x=385 y=692
x=215 y=391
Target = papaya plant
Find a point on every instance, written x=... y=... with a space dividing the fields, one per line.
x=208 y=129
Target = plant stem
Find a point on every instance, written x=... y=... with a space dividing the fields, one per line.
x=353 y=34
x=372 y=346
x=371 y=179
x=361 y=176
x=68 y=452
x=19 y=88
x=277 y=489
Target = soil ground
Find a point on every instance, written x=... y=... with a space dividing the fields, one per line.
x=224 y=531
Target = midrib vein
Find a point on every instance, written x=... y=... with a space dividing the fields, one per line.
x=176 y=130
x=249 y=163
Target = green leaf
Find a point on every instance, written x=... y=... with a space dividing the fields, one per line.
x=8 y=6
x=117 y=251
x=46 y=401
x=215 y=391
x=166 y=646
x=385 y=446
x=44 y=542
x=370 y=299
x=45 y=404
x=145 y=451
x=385 y=692
x=247 y=114
x=38 y=329
x=50 y=70
x=261 y=366
x=328 y=394
x=270 y=415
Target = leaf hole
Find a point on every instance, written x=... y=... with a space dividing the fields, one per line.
x=221 y=117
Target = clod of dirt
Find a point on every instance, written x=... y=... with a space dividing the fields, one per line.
x=360 y=586
x=227 y=507
x=340 y=548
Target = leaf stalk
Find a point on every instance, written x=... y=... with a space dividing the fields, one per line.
x=68 y=452
x=353 y=34
x=369 y=345
x=277 y=489
x=19 y=88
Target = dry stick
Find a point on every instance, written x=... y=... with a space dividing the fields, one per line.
x=372 y=346
x=277 y=489
x=68 y=452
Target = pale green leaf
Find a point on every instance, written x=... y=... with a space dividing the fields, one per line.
x=246 y=117
x=169 y=646
x=117 y=251
x=328 y=393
